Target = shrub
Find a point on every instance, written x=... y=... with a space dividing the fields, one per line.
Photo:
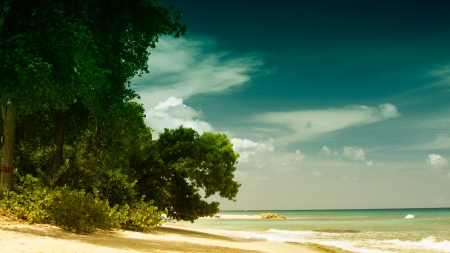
x=29 y=201
x=141 y=216
x=75 y=210
x=80 y=212
x=72 y=210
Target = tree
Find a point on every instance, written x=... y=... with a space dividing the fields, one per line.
x=181 y=165
x=57 y=53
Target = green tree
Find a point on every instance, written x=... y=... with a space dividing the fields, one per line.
x=57 y=53
x=181 y=166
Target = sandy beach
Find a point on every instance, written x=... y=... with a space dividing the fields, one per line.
x=21 y=237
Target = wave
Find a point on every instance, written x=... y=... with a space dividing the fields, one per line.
x=344 y=239
x=429 y=243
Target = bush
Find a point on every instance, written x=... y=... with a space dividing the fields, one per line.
x=29 y=201
x=80 y=212
x=141 y=216
x=75 y=210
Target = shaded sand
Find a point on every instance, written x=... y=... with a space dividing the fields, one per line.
x=19 y=237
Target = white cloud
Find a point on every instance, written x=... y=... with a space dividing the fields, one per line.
x=247 y=148
x=284 y=161
x=262 y=156
x=354 y=153
x=325 y=151
x=370 y=163
x=172 y=113
x=436 y=161
x=303 y=125
x=186 y=67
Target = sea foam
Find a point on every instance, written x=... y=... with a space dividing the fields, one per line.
x=356 y=245
x=428 y=243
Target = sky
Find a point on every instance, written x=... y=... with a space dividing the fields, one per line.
x=330 y=104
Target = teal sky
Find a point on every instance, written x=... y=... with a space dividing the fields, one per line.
x=331 y=104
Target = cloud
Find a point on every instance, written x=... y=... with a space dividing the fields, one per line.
x=284 y=161
x=173 y=113
x=436 y=161
x=327 y=152
x=262 y=156
x=354 y=153
x=442 y=141
x=442 y=73
x=298 y=126
x=247 y=148
x=186 y=67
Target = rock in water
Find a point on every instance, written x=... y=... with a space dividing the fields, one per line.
x=271 y=216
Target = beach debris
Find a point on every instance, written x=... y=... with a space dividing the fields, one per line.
x=271 y=216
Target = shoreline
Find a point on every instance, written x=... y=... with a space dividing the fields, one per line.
x=20 y=237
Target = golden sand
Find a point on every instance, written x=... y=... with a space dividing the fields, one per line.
x=19 y=237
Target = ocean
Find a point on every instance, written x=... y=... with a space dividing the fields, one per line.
x=368 y=231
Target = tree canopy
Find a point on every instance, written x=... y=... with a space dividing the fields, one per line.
x=71 y=128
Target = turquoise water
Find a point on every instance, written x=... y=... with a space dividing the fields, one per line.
x=365 y=231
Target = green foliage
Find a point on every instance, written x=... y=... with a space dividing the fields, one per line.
x=70 y=209
x=29 y=201
x=140 y=216
x=75 y=210
x=80 y=212
x=180 y=164
x=117 y=161
x=66 y=66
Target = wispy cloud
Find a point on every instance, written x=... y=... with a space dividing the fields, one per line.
x=185 y=67
x=173 y=113
x=297 y=126
x=443 y=73
x=442 y=141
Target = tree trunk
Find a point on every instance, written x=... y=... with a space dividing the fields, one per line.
x=9 y=130
x=59 y=138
